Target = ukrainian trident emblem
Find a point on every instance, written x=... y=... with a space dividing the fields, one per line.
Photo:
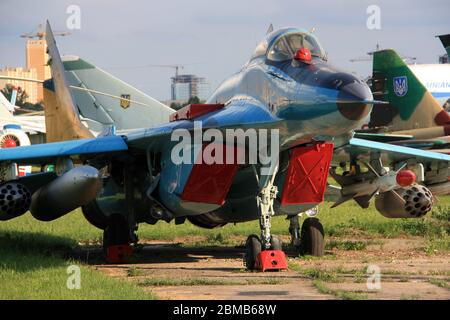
x=400 y=86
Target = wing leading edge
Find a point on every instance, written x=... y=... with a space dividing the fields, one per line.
x=392 y=152
x=40 y=153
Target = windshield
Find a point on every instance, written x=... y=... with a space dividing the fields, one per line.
x=286 y=46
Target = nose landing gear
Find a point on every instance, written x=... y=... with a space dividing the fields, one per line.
x=265 y=253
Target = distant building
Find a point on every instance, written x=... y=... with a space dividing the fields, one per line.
x=29 y=87
x=36 y=68
x=185 y=86
x=37 y=58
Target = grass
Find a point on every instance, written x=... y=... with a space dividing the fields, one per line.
x=158 y=282
x=35 y=255
x=45 y=277
x=436 y=244
x=330 y=274
x=441 y=212
x=440 y=283
x=350 y=244
x=346 y=220
x=135 y=272
x=340 y=293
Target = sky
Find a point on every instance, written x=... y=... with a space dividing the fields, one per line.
x=213 y=39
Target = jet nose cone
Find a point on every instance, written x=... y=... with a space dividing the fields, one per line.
x=353 y=99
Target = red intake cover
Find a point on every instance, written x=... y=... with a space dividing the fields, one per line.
x=209 y=183
x=192 y=111
x=306 y=178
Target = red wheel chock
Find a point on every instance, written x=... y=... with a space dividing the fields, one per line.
x=271 y=260
x=118 y=253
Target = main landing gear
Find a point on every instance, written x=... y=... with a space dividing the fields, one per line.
x=310 y=239
x=119 y=233
x=265 y=253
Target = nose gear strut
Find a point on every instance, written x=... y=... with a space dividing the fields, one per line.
x=268 y=254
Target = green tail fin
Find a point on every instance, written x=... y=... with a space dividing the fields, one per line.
x=388 y=64
x=410 y=106
x=445 y=39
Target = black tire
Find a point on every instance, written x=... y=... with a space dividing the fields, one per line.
x=312 y=238
x=276 y=243
x=117 y=232
x=252 y=249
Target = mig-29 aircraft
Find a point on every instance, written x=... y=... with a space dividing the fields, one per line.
x=412 y=117
x=287 y=88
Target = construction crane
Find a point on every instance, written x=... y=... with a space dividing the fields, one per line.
x=177 y=67
x=40 y=34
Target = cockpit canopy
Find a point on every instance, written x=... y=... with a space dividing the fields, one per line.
x=283 y=44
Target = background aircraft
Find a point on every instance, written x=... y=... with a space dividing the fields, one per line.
x=28 y=123
x=436 y=77
x=412 y=118
x=103 y=102
x=287 y=85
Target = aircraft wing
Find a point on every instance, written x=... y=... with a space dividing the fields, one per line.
x=243 y=113
x=382 y=137
x=45 y=153
x=390 y=153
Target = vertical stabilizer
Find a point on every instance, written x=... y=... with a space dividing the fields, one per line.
x=410 y=106
x=61 y=113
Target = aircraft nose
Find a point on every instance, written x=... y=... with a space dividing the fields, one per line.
x=353 y=99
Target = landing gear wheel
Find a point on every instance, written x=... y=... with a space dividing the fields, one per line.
x=94 y=215
x=252 y=249
x=276 y=243
x=312 y=238
x=116 y=233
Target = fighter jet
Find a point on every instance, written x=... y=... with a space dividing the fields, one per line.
x=287 y=111
x=412 y=117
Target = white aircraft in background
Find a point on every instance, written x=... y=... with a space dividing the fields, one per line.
x=436 y=77
x=28 y=123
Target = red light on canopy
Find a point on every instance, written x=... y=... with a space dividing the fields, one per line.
x=303 y=55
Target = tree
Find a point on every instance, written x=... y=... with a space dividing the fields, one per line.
x=21 y=98
x=175 y=105
x=192 y=100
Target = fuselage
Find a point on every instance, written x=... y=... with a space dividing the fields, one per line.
x=307 y=100
x=315 y=100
